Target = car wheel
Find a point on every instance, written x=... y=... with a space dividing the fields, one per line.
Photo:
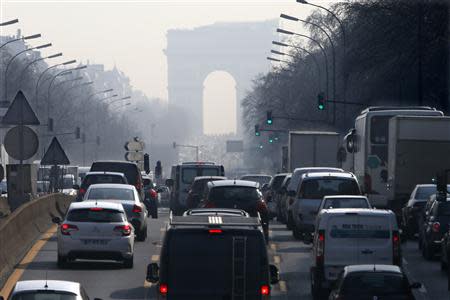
x=315 y=286
x=62 y=261
x=128 y=262
x=142 y=235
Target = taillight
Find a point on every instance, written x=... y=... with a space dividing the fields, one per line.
x=210 y=205
x=153 y=194
x=163 y=289
x=125 y=230
x=367 y=183
x=261 y=206
x=137 y=209
x=82 y=191
x=215 y=231
x=320 y=248
x=436 y=226
x=396 y=247
x=265 y=290
x=96 y=208
x=67 y=228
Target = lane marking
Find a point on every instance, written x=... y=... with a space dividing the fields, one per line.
x=147 y=284
x=155 y=258
x=29 y=257
x=283 y=286
x=277 y=259
x=270 y=234
x=273 y=247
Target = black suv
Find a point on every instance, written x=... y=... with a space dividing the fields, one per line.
x=213 y=256
x=434 y=227
x=98 y=177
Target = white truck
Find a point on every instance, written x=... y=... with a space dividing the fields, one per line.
x=418 y=149
x=313 y=149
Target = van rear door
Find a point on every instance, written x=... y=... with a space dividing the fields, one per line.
x=375 y=240
x=340 y=244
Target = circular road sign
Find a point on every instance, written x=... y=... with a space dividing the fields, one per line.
x=30 y=143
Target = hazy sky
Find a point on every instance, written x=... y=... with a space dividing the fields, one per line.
x=131 y=34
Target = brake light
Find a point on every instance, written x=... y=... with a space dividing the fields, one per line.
x=215 y=231
x=96 y=208
x=396 y=247
x=367 y=183
x=265 y=290
x=67 y=228
x=261 y=206
x=153 y=193
x=320 y=248
x=137 y=209
x=163 y=289
x=436 y=226
x=209 y=205
x=82 y=191
x=125 y=230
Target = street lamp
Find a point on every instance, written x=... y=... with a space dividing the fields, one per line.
x=9 y=22
x=22 y=74
x=5 y=101
x=29 y=37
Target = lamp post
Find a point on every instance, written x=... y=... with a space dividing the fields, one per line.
x=22 y=74
x=9 y=22
x=5 y=100
x=278 y=60
x=29 y=37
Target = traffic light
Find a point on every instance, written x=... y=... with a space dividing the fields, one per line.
x=321 y=101
x=271 y=140
x=158 y=169
x=261 y=146
x=146 y=163
x=77 y=133
x=50 y=124
x=269 y=119
x=257 y=132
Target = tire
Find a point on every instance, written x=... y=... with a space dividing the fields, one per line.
x=62 y=261
x=316 y=288
x=142 y=234
x=128 y=262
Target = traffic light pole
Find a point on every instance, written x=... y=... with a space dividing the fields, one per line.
x=346 y=102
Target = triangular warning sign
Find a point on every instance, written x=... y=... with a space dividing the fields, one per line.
x=55 y=155
x=20 y=112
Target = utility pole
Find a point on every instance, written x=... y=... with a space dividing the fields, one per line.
x=420 y=52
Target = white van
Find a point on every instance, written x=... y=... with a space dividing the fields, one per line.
x=352 y=236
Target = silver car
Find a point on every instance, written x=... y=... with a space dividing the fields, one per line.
x=95 y=230
x=48 y=289
x=128 y=196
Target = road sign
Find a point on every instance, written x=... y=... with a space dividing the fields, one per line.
x=134 y=146
x=235 y=146
x=134 y=156
x=21 y=137
x=20 y=112
x=55 y=155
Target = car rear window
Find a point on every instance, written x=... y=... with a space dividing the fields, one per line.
x=359 y=231
x=111 y=194
x=425 y=192
x=345 y=203
x=375 y=283
x=198 y=186
x=101 y=178
x=189 y=174
x=130 y=170
x=317 y=188
x=231 y=196
x=101 y=216
x=276 y=182
x=210 y=258
x=44 y=295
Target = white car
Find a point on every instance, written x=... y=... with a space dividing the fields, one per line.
x=95 y=230
x=48 y=289
x=352 y=236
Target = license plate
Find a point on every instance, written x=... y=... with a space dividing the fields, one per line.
x=95 y=242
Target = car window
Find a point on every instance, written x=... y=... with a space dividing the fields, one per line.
x=425 y=192
x=110 y=194
x=345 y=203
x=377 y=283
x=89 y=215
x=130 y=170
x=359 y=231
x=210 y=172
x=276 y=182
x=229 y=196
x=101 y=178
x=320 y=187
x=44 y=295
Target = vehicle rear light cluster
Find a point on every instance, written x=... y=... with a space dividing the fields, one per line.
x=215 y=231
x=163 y=289
x=396 y=247
x=261 y=206
x=436 y=226
x=210 y=205
x=153 y=194
x=82 y=191
x=265 y=290
x=320 y=248
x=125 y=230
x=137 y=209
x=66 y=229
x=96 y=209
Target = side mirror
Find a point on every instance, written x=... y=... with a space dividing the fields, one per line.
x=56 y=220
x=416 y=285
x=76 y=187
x=291 y=193
x=169 y=182
x=274 y=274
x=152 y=273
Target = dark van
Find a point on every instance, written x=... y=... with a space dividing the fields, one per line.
x=213 y=257
x=131 y=171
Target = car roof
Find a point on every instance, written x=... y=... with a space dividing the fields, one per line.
x=101 y=204
x=372 y=268
x=216 y=212
x=232 y=182
x=56 y=285
x=345 y=197
x=316 y=169
x=328 y=174
x=112 y=186
x=115 y=161
x=209 y=177
x=211 y=221
x=256 y=175
x=105 y=173
x=359 y=211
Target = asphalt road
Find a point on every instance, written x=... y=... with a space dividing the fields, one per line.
x=111 y=281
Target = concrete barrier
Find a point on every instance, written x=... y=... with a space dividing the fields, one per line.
x=21 y=228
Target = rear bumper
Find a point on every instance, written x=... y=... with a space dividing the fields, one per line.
x=114 y=249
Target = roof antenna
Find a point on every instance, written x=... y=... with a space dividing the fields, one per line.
x=46 y=284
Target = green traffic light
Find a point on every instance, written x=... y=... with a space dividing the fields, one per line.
x=269 y=121
x=261 y=146
x=257 y=133
x=321 y=107
x=271 y=140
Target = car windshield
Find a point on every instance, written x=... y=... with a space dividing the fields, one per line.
x=345 y=203
x=95 y=215
x=233 y=196
x=376 y=284
x=44 y=295
x=110 y=194
x=203 y=254
x=317 y=188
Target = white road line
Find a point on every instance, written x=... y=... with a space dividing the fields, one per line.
x=283 y=286
x=155 y=258
x=273 y=247
x=276 y=259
